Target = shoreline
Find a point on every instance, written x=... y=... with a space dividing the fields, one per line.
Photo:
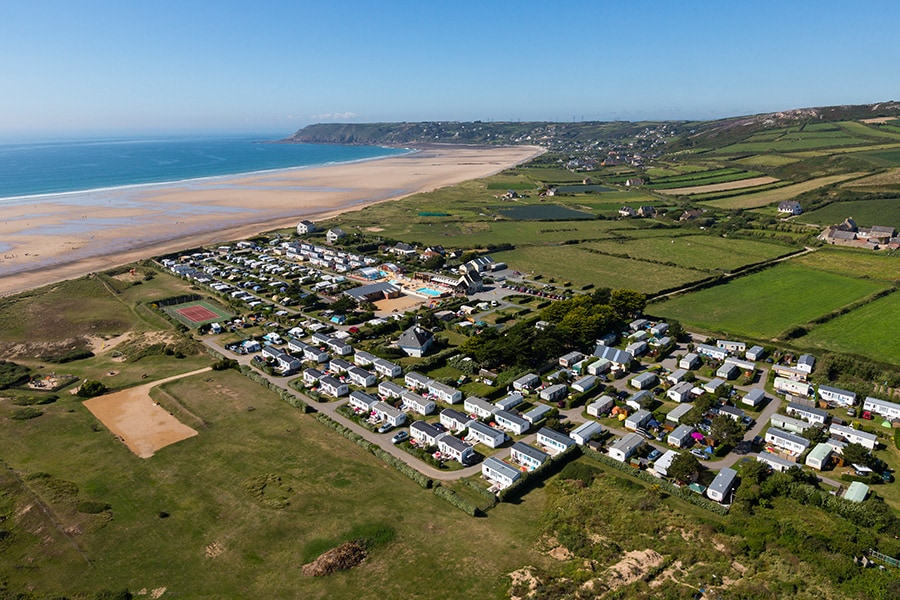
x=83 y=232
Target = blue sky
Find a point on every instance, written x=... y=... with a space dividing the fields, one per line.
x=274 y=66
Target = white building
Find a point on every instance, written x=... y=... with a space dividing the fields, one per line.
x=528 y=456
x=790 y=386
x=413 y=402
x=889 y=410
x=511 y=422
x=586 y=432
x=499 y=473
x=837 y=396
x=554 y=441
x=787 y=441
x=625 y=447
x=479 y=407
x=854 y=436
x=601 y=406
x=479 y=433
x=723 y=485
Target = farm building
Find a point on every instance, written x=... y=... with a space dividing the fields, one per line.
x=833 y=395
x=777 y=463
x=689 y=361
x=479 y=433
x=638 y=420
x=512 y=400
x=680 y=392
x=625 y=447
x=787 y=441
x=455 y=449
x=499 y=473
x=454 y=420
x=888 y=410
x=681 y=436
x=554 y=441
x=537 y=413
x=644 y=381
x=413 y=402
x=511 y=422
x=816 y=416
x=424 y=433
x=819 y=456
x=723 y=485
x=585 y=432
x=479 y=407
x=601 y=406
x=555 y=392
x=526 y=382
x=528 y=456
x=754 y=397
x=854 y=436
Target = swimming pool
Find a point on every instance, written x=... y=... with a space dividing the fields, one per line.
x=430 y=292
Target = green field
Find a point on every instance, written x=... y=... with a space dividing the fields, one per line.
x=881 y=211
x=765 y=304
x=754 y=200
x=867 y=331
x=580 y=266
x=767 y=160
x=863 y=264
x=701 y=252
x=541 y=212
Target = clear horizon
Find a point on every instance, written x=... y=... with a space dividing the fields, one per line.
x=98 y=69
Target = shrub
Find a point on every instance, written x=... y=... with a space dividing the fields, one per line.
x=91 y=388
x=12 y=374
x=35 y=400
x=69 y=356
x=224 y=364
x=92 y=507
x=456 y=500
x=30 y=412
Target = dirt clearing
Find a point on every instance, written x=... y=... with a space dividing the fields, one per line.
x=143 y=425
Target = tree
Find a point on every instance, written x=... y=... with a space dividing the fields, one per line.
x=627 y=303
x=726 y=430
x=684 y=468
x=91 y=388
x=857 y=454
x=814 y=435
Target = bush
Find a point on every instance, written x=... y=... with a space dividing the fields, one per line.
x=69 y=356
x=456 y=500
x=224 y=364
x=92 y=507
x=12 y=374
x=91 y=388
x=24 y=414
x=35 y=400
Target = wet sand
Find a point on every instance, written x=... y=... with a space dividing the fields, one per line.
x=49 y=239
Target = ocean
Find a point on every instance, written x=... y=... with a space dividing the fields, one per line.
x=43 y=168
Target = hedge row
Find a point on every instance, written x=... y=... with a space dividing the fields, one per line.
x=284 y=394
x=456 y=500
x=489 y=498
x=531 y=478
x=679 y=492
x=423 y=480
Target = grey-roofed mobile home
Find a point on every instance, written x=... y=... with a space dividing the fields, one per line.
x=495 y=470
x=601 y=406
x=528 y=456
x=721 y=487
x=624 y=447
x=585 y=432
x=553 y=440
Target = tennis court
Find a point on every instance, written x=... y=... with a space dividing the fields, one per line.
x=200 y=312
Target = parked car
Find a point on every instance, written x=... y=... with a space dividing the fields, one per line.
x=399 y=437
x=385 y=427
x=654 y=454
x=699 y=453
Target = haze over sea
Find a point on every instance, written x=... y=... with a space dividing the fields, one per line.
x=41 y=168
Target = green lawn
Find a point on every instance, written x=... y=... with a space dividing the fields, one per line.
x=765 y=304
x=219 y=540
x=701 y=252
x=868 y=331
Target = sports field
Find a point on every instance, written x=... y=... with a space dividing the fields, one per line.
x=765 y=304
x=196 y=313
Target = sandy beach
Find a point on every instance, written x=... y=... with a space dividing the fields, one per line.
x=49 y=239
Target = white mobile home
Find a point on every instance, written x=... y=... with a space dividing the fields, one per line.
x=816 y=416
x=362 y=401
x=754 y=397
x=528 y=456
x=416 y=381
x=511 y=422
x=537 y=413
x=837 y=396
x=526 y=382
x=512 y=400
x=413 y=402
x=644 y=381
x=586 y=432
x=554 y=441
x=553 y=393
x=791 y=386
x=689 y=361
x=889 y=410
x=601 y=406
x=680 y=392
x=638 y=419
x=788 y=423
x=723 y=485
x=498 y=472
x=681 y=436
x=479 y=433
x=625 y=447
x=389 y=414
x=389 y=389
x=455 y=449
x=444 y=393
x=479 y=407
x=854 y=436
x=787 y=441
x=424 y=433
x=330 y=386
x=361 y=377
x=819 y=456
x=454 y=420
x=776 y=462
x=711 y=351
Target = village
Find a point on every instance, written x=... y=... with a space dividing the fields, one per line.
x=678 y=405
